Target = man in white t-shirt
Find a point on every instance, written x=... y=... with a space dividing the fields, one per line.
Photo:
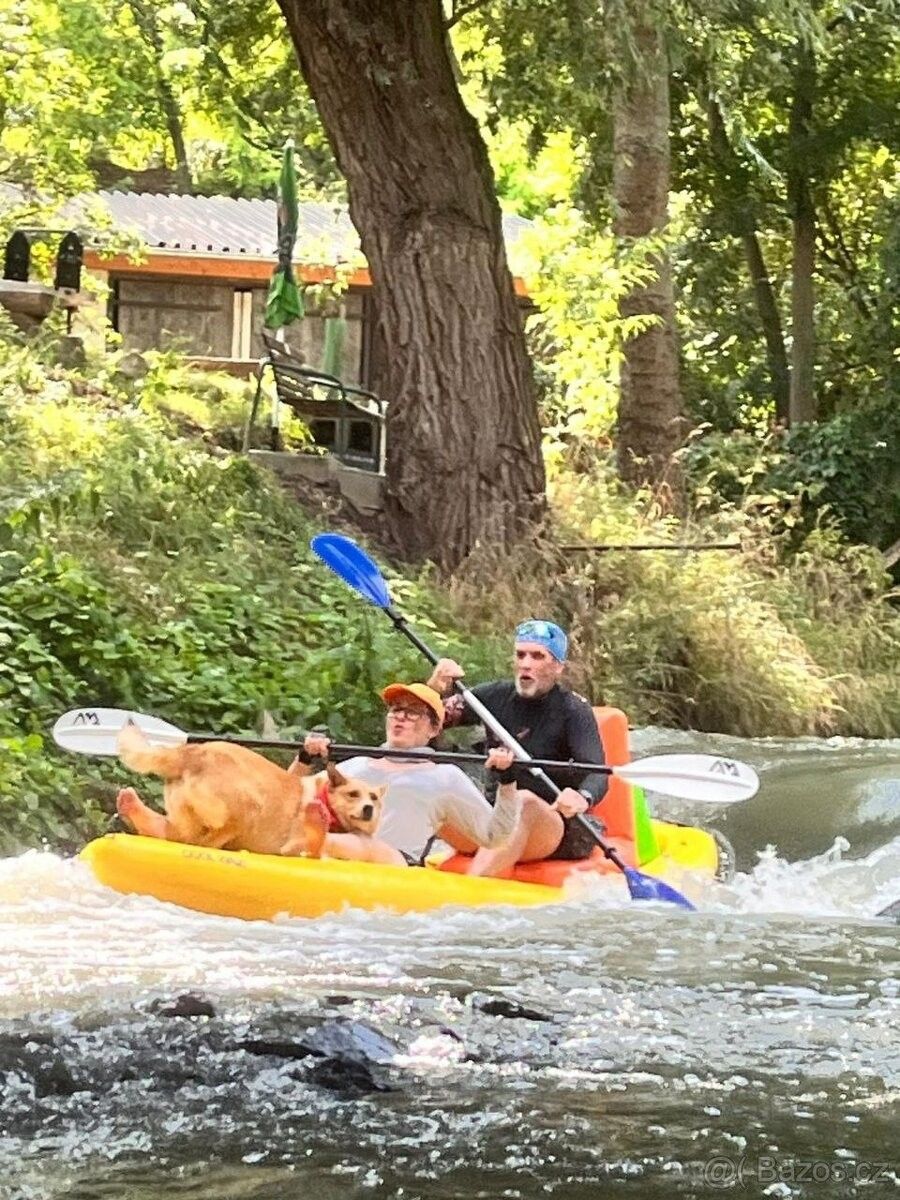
x=424 y=801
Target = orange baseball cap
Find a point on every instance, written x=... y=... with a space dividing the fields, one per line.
x=419 y=691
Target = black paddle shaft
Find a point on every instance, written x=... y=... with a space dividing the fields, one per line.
x=339 y=751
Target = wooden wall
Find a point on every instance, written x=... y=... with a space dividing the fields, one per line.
x=197 y=317
x=162 y=314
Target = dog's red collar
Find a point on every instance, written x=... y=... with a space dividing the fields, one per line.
x=334 y=824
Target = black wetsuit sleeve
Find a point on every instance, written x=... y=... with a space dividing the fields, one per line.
x=585 y=746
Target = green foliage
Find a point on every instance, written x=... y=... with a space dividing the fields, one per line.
x=141 y=570
x=544 y=73
x=751 y=643
x=45 y=798
x=577 y=278
x=97 y=82
x=844 y=472
x=745 y=63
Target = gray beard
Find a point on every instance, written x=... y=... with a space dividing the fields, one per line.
x=533 y=691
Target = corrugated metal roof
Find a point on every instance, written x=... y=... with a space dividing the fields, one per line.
x=222 y=225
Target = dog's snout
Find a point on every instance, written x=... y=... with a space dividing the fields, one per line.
x=368 y=812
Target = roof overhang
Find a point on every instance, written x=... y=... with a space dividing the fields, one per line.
x=226 y=268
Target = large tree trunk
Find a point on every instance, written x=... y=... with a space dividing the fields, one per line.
x=464 y=456
x=742 y=219
x=803 y=262
x=650 y=424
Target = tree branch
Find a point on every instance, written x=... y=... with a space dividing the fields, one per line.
x=836 y=251
x=458 y=11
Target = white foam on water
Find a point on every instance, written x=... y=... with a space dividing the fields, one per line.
x=67 y=942
x=828 y=885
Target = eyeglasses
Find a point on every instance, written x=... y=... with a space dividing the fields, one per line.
x=408 y=714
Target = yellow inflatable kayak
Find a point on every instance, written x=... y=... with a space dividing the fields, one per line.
x=236 y=883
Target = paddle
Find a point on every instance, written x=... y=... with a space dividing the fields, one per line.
x=688 y=776
x=351 y=564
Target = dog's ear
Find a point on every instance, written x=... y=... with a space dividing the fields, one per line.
x=335 y=778
x=379 y=792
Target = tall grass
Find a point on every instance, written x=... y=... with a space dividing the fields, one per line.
x=747 y=642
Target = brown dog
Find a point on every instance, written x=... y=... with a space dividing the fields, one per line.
x=230 y=798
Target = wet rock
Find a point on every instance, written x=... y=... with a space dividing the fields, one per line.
x=276 y=1048
x=450 y=1033
x=891 y=913
x=498 y=1006
x=36 y=1058
x=350 y=1041
x=13 y=1042
x=348 y=1078
x=53 y=1078
x=186 y=1005
x=338 y=1001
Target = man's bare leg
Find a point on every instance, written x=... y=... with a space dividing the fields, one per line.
x=538 y=833
x=352 y=847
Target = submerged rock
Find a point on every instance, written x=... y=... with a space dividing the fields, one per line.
x=275 y=1048
x=499 y=1006
x=187 y=1005
x=348 y=1078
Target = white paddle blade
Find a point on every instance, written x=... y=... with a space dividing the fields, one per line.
x=94 y=730
x=693 y=777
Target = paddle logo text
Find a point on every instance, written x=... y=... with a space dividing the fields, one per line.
x=725 y=766
x=86 y=717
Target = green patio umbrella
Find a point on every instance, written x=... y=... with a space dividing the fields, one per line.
x=284 y=302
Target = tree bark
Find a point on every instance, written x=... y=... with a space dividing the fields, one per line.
x=650 y=421
x=744 y=225
x=803 y=218
x=463 y=440
x=770 y=320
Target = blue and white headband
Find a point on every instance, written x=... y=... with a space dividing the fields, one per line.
x=546 y=634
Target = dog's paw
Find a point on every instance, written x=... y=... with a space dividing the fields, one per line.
x=128 y=804
x=315 y=829
x=308 y=840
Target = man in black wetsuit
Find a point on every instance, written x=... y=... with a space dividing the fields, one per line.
x=549 y=722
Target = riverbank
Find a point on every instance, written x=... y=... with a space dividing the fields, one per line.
x=146 y=566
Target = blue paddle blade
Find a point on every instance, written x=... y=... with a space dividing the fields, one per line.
x=343 y=556
x=645 y=887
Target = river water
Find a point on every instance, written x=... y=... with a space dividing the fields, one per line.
x=152 y=1053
